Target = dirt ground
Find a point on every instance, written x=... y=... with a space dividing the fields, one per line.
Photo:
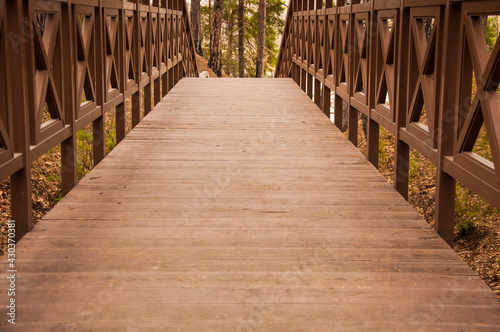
x=479 y=244
x=203 y=66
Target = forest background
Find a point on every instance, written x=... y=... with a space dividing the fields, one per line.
x=239 y=30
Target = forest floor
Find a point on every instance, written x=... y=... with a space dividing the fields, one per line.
x=477 y=228
x=203 y=66
x=477 y=232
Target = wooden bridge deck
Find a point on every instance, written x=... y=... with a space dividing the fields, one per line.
x=237 y=205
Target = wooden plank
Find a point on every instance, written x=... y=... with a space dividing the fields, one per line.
x=236 y=205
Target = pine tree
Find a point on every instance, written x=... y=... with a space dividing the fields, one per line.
x=248 y=29
x=196 y=25
x=229 y=22
x=215 y=38
x=261 y=42
x=241 y=38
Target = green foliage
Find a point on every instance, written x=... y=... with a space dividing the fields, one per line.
x=482 y=146
x=492 y=31
x=468 y=209
x=84 y=147
x=52 y=177
x=464 y=227
x=383 y=144
x=58 y=197
x=84 y=159
x=274 y=27
x=110 y=139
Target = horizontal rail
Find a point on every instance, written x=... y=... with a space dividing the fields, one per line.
x=65 y=64
x=395 y=61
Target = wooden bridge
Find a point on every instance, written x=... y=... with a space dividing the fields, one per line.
x=236 y=204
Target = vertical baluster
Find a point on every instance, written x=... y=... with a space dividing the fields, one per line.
x=20 y=181
x=68 y=146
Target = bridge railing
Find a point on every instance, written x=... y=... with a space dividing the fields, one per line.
x=421 y=69
x=65 y=64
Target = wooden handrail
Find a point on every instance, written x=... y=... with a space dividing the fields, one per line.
x=54 y=52
x=378 y=58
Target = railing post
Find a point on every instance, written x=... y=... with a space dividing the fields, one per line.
x=136 y=108
x=164 y=78
x=309 y=84
x=402 y=150
x=338 y=109
x=120 y=121
x=20 y=181
x=68 y=146
x=303 y=73
x=164 y=84
x=136 y=97
x=317 y=92
x=327 y=93
x=373 y=136
x=300 y=76
x=338 y=102
x=156 y=81
x=326 y=103
x=445 y=185
x=149 y=56
x=310 y=7
x=98 y=134
x=147 y=98
x=157 y=92
x=352 y=119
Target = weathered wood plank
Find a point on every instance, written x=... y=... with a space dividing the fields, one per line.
x=237 y=205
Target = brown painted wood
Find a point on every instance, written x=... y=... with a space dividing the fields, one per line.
x=76 y=49
x=236 y=205
x=381 y=62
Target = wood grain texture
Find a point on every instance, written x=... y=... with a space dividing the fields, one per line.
x=236 y=205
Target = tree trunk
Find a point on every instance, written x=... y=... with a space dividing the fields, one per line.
x=230 y=41
x=210 y=18
x=196 y=24
x=345 y=116
x=261 y=43
x=484 y=23
x=215 y=39
x=364 y=122
x=241 y=38
x=427 y=27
